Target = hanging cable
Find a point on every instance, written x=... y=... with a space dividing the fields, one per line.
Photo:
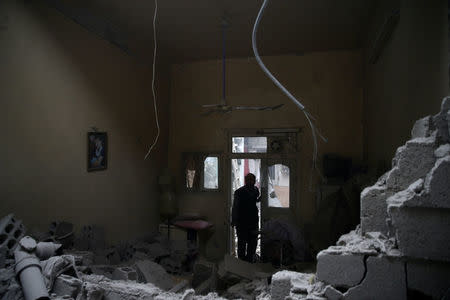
x=153 y=81
x=308 y=116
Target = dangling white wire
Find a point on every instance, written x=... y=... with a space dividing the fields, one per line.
x=308 y=116
x=153 y=81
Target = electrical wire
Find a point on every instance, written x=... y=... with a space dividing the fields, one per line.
x=153 y=82
x=308 y=116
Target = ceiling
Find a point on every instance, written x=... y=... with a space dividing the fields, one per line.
x=191 y=29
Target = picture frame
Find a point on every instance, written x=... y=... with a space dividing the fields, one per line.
x=97 y=151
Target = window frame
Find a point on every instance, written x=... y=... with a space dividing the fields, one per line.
x=199 y=157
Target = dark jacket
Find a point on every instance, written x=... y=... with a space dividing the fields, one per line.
x=245 y=213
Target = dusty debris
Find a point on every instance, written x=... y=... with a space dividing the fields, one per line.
x=155 y=274
x=66 y=285
x=124 y=273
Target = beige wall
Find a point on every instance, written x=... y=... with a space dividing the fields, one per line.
x=330 y=84
x=57 y=80
x=410 y=78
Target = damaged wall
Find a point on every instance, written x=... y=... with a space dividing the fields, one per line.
x=57 y=80
x=409 y=78
x=330 y=84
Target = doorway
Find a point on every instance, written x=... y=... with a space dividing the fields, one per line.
x=239 y=168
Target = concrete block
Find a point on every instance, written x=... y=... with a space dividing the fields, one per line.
x=422 y=128
x=430 y=278
x=153 y=273
x=437 y=184
x=374 y=208
x=412 y=161
x=345 y=270
x=67 y=286
x=285 y=282
x=332 y=294
x=124 y=273
x=11 y=231
x=385 y=279
x=422 y=232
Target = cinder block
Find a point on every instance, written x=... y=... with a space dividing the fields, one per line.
x=344 y=270
x=385 y=279
x=11 y=231
x=374 y=208
x=422 y=233
x=411 y=162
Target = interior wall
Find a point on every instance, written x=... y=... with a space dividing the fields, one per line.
x=56 y=81
x=410 y=77
x=330 y=86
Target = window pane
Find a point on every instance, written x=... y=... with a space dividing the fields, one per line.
x=253 y=144
x=211 y=173
x=278 y=179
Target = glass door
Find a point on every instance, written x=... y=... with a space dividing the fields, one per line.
x=239 y=168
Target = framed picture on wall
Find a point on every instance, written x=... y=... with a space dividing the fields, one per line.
x=97 y=151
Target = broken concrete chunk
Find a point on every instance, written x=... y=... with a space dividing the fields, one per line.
x=437 y=184
x=67 y=285
x=374 y=208
x=422 y=232
x=285 y=282
x=153 y=273
x=385 y=279
x=332 y=294
x=340 y=270
x=430 y=278
x=247 y=290
x=124 y=273
x=422 y=128
x=412 y=161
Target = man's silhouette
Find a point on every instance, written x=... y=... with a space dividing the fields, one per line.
x=245 y=217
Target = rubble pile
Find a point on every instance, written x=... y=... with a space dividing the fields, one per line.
x=401 y=249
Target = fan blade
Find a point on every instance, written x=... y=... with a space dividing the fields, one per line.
x=257 y=107
x=211 y=105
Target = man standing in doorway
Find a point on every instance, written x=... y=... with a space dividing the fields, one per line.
x=245 y=218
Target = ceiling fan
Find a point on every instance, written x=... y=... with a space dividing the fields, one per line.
x=222 y=107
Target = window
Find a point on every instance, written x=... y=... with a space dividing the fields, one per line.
x=278 y=191
x=211 y=173
x=249 y=144
x=201 y=172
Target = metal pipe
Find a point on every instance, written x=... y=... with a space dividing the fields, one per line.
x=29 y=271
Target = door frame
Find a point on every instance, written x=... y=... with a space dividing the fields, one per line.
x=292 y=158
